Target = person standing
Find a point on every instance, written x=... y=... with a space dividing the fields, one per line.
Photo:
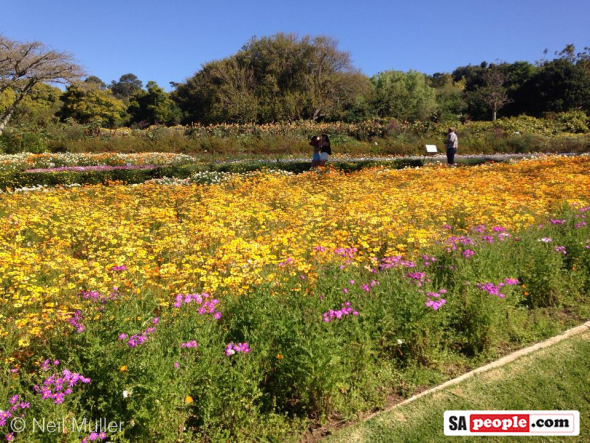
x=315 y=142
x=325 y=149
x=451 y=143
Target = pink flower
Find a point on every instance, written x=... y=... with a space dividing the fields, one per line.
x=468 y=253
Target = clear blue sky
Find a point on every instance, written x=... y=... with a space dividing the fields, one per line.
x=168 y=40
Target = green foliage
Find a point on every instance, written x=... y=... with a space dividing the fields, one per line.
x=86 y=103
x=404 y=96
x=558 y=86
x=449 y=97
x=127 y=86
x=278 y=78
x=153 y=106
x=38 y=108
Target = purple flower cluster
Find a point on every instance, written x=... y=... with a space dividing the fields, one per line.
x=396 y=261
x=557 y=222
x=493 y=289
x=16 y=405
x=119 y=268
x=190 y=344
x=286 y=262
x=561 y=250
x=345 y=310
x=462 y=240
x=139 y=339
x=434 y=299
x=467 y=253
x=58 y=387
x=206 y=306
x=232 y=348
x=94 y=436
x=346 y=252
x=96 y=297
x=479 y=229
x=46 y=364
x=428 y=260
x=367 y=287
x=418 y=277
x=76 y=320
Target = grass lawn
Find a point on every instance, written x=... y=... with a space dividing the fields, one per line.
x=554 y=378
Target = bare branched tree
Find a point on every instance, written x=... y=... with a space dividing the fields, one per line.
x=494 y=94
x=23 y=65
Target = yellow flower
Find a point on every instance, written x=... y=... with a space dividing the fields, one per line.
x=188 y=399
x=124 y=368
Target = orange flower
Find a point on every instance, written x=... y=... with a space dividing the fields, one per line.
x=124 y=368
x=188 y=399
x=280 y=356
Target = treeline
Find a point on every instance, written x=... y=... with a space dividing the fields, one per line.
x=284 y=78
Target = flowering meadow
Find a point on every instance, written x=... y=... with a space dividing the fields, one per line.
x=257 y=307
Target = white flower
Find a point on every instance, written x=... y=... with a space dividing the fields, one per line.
x=400 y=341
x=545 y=239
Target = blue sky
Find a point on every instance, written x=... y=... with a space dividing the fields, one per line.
x=169 y=40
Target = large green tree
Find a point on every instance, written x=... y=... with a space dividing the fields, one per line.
x=87 y=103
x=153 y=106
x=127 y=86
x=449 y=96
x=403 y=95
x=38 y=108
x=278 y=78
x=559 y=85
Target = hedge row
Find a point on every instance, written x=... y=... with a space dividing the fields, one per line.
x=21 y=179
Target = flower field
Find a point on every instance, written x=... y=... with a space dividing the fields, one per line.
x=269 y=301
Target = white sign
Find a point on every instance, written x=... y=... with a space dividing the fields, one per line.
x=431 y=149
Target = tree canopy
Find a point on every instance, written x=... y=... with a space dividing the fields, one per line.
x=286 y=78
x=278 y=78
x=153 y=106
x=87 y=103
x=23 y=65
x=403 y=95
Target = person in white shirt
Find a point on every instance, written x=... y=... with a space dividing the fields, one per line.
x=451 y=143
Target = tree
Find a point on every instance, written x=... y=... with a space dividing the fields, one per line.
x=278 y=78
x=517 y=74
x=493 y=94
x=403 y=95
x=559 y=85
x=24 y=65
x=86 y=103
x=153 y=106
x=36 y=109
x=127 y=86
x=94 y=80
x=449 y=96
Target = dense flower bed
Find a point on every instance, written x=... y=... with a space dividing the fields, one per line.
x=257 y=305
